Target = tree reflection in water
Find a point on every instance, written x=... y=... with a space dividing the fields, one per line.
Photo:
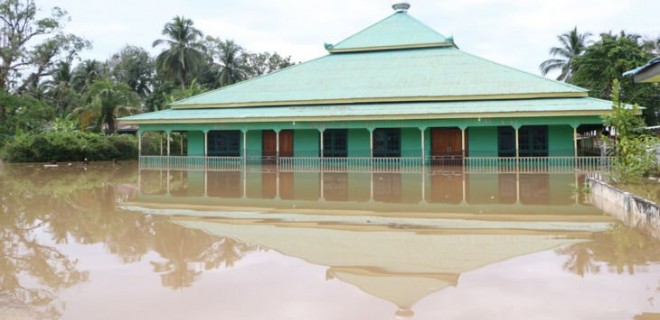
x=43 y=210
x=621 y=248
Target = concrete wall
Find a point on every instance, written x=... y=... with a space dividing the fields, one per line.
x=482 y=142
x=633 y=211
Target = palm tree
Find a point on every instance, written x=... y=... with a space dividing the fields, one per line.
x=59 y=91
x=185 y=53
x=231 y=61
x=573 y=44
x=86 y=73
x=109 y=99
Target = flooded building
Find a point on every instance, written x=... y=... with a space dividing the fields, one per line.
x=396 y=91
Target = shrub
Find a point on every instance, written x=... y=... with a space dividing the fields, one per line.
x=69 y=146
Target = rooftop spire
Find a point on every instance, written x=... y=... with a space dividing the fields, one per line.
x=402 y=6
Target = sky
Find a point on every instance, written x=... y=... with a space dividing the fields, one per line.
x=517 y=33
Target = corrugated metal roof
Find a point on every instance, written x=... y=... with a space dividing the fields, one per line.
x=375 y=110
x=649 y=72
x=402 y=75
x=397 y=30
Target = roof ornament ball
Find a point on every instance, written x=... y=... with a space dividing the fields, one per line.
x=401 y=6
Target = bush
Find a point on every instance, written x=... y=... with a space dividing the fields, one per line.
x=69 y=146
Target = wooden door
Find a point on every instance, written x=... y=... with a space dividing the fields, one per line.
x=268 y=146
x=446 y=142
x=286 y=143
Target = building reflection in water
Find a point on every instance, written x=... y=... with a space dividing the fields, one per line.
x=396 y=236
x=431 y=187
x=503 y=216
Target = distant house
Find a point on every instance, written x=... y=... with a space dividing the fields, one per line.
x=395 y=90
x=647 y=73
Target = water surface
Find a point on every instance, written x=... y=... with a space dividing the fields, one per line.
x=117 y=242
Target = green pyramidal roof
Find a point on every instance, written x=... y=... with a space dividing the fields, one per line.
x=398 y=59
x=399 y=30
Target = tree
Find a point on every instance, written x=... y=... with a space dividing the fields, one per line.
x=181 y=60
x=134 y=67
x=230 y=60
x=263 y=63
x=23 y=113
x=86 y=73
x=110 y=99
x=633 y=160
x=33 y=45
x=607 y=60
x=573 y=44
x=59 y=91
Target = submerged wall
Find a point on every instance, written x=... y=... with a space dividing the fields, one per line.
x=632 y=210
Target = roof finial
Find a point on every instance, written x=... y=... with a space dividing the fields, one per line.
x=402 y=6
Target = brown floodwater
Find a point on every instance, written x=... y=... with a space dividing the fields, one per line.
x=116 y=242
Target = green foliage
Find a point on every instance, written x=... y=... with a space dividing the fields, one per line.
x=68 y=145
x=635 y=156
x=33 y=45
x=109 y=99
x=185 y=53
x=23 y=113
x=573 y=44
x=608 y=59
x=193 y=89
x=134 y=67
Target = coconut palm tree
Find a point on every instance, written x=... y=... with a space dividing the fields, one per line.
x=109 y=99
x=59 y=91
x=86 y=73
x=185 y=52
x=230 y=58
x=573 y=44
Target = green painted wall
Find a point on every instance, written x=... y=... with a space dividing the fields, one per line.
x=253 y=143
x=411 y=144
x=358 y=143
x=560 y=141
x=482 y=142
x=196 y=143
x=306 y=143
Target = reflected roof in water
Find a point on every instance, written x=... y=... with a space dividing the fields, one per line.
x=316 y=245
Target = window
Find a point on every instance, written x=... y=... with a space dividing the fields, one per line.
x=224 y=143
x=387 y=142
x=506 y=142
x=532 y=141
x=335 y=143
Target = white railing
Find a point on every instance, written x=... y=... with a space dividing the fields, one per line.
x=537 y=164
x=362 y=164
x=403 y=164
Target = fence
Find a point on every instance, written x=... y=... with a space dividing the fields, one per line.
x=401 y=164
